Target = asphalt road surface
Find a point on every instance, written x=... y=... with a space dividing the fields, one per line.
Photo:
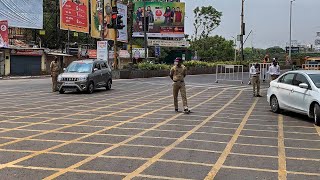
x=132 y=132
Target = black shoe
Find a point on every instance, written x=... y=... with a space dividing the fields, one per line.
x=176 y=110
x=259 y=95
x=186 y=111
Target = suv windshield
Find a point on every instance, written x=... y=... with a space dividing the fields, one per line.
x=80 y=67
x=316 y=79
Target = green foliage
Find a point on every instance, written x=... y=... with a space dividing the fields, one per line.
x=149 y=66
x=213 y=48
x=275 y=49
x=206 y=20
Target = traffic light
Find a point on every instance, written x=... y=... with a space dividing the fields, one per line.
x=120 y=22
x=113 y=22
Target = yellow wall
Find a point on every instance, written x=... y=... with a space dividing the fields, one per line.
x=7 y=63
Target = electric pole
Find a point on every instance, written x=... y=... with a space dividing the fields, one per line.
x=145 y=15
x=242 y=30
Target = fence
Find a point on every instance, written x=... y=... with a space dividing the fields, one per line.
x=311 y=66
x=264 y=68
x=229 y=73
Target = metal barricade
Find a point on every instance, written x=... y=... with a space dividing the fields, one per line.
x=229 y=73
x=264 y=68
x=311 y=66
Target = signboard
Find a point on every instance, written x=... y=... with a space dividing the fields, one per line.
x=168 y=43
x=157 y=51
x=74 y=15
x=92 y=53
x=26 y=52
x=22 y=13
x=97 y=18
x=138 y=53
x=165 y=19
x=123 y=33
x=124 y=54
x=4 y=39
x=293 y=49
x=102 y=50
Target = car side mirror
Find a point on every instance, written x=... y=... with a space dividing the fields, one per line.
x=95 y=69
x=304 y=86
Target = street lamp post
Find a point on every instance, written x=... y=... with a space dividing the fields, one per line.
x=235 y=48
x=290 y=36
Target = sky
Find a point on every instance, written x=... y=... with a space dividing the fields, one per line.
x=268 y=20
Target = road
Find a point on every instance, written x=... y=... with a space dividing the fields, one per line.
x=132 y=132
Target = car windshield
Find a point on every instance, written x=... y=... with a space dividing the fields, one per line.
x=80 y=67
x=316 y=79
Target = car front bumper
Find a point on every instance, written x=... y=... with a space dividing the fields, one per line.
x=71 y=86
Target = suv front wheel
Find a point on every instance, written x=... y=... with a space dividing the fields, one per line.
x=90 y=88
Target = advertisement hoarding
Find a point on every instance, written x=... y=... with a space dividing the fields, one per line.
x=102 y=50
x=4 y=39
x=74 y=15
x=97 y=18
x=22 y=13
x=164 y=19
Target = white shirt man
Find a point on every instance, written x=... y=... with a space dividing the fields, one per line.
x=274 y=71
x=255 y=79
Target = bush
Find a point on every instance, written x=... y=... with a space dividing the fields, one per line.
x=149 y=66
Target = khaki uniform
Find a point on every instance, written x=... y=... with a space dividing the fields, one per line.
x=256 y=83
x=178 y=74
x=55 y=69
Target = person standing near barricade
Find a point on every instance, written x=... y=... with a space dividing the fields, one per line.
x=255 y=78
x=55 y=70
x=177 y=73
x=274 y=70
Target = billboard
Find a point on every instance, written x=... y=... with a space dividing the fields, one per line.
x=22 y=13
x=74 y=15
x=97 y=18
x=4 y=40
x=102 y=50
x=164 y=19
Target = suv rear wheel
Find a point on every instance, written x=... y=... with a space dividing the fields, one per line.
x=109 y=84
x=61 y=91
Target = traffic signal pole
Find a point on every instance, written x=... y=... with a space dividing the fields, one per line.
x=145 y=15
x=242 y=30
x=115 y=47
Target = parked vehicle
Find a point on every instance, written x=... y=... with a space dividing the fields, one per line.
x=297 y=91
x=85 y=75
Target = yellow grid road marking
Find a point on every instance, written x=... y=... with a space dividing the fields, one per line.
x=170 y=147
x=229 y=146
x=125 y=141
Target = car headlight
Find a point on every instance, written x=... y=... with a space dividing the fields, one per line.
x=83 y=78
x=59 y=78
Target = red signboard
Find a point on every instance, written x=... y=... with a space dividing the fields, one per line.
x=26 y=52
x=74 y=15
x=4 y=39
x=92 y=53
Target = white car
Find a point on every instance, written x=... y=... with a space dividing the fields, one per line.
x=297 y=91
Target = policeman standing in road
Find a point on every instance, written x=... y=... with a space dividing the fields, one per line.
x=177 y=73
x=255 y=78
x=55 y=70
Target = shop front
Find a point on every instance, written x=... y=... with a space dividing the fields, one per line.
x=26 y=62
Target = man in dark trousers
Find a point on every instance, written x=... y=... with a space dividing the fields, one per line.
x=177 y=73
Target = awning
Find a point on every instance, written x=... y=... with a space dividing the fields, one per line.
x=59 y=54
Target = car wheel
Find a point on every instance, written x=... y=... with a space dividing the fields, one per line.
x=109 y=84
x=61 y=91
x=274 y=103
x=316 y=111
x=90 y=88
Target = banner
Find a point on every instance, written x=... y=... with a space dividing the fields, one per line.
x=4 y=39
x=102 y=50
x=74 y=15
x=164 y=19
x=97 y=18
x=22 y=13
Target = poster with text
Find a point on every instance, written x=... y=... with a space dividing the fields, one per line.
x=102 y=50
x=163 y=19
x=4 y=39
x=74 y=15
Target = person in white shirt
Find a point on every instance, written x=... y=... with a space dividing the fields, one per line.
x=274 y=70
x=255 y=79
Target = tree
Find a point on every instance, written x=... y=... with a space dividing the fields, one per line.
x=206 y=20
x=275 y=49
x=214 y=48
